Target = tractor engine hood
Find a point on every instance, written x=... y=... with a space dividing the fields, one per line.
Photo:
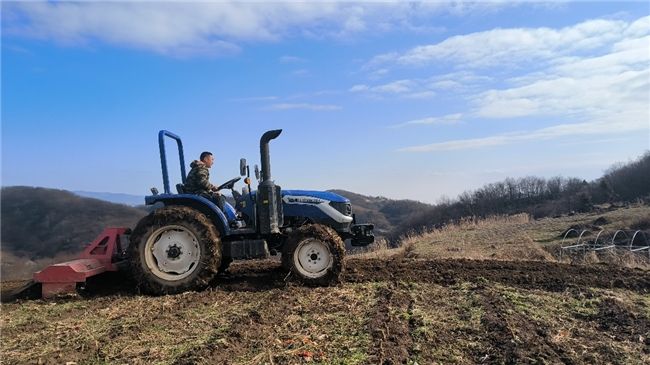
x=324 y=195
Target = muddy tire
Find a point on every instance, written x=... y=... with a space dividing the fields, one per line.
x=225 y=264
x=174 y=249
x=314 y=255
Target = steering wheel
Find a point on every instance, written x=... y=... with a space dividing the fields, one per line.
x=229 y=184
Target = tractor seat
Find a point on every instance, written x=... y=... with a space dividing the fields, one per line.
x=180 y=188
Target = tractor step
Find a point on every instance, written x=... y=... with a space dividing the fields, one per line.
x=102 y=255
x=245 y=249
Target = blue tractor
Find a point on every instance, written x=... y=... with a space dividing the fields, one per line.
x=186 y=239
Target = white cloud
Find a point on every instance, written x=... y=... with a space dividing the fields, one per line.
x=211 y=28
x=395 y=87
x=592 y=79
x=462 y=144
x=631 y=122
x=421 y=95
x=166 y=27
x=446 y=85
x=300 y=72
x=639 y=28
x=446 y=119
x=255 y=98
x=292 y=59
x=499 y=47
x=379 y=73
x=358 y=88
x=424 y=88
x=304 y=106
x=609 y=83
x=405 y=88
x=580 y=95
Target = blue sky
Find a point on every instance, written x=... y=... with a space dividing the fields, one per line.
x=417 y=100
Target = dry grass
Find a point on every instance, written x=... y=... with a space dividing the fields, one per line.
x=381 y=250
x=519 y=237
x=277 y=326
x=15 y=267
x=499 y=237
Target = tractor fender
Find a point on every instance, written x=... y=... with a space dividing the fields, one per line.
x=197 y=202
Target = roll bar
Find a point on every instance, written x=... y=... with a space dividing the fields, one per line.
x=163 y=157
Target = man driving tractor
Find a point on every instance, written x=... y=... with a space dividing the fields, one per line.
x=198 y=180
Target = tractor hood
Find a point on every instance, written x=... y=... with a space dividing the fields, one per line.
x=325 y=195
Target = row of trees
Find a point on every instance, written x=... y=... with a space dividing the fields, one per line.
x=627 y=182
x=516 y=194
x=539 y=196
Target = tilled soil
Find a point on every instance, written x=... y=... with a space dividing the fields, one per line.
x=513 y=338
x=390 y=332
x=548 y=276
x=386 y=311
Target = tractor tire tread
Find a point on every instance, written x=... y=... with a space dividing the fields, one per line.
x=206 y=233
x=324 y=234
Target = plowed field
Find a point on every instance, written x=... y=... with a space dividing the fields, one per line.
x=397 y=307
x=394 y=310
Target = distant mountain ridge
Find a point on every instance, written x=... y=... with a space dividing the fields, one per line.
x=118 y=198
x=386 y=214
x=40 y=222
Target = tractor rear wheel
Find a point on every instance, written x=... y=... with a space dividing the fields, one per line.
x=314 y=255
x=225 y=264
x=174 y=249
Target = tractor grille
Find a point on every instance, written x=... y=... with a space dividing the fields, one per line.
x=344 y=208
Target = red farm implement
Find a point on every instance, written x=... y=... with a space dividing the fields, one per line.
x=106 y=253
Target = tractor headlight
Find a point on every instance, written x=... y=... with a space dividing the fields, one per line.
x=343 y=208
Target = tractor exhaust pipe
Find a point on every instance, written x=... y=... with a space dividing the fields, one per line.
x=269 y=196
x=264 y=152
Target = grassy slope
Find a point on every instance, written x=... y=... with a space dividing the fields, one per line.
x=520 y=238
x=254 y=318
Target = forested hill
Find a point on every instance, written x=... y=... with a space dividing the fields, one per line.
x=386 y=214
x=40 y=222
x=540 y=197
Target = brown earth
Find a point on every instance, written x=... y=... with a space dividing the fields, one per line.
x=391 y=307
x=382 y=307
x=268 y=274
x=549 y=276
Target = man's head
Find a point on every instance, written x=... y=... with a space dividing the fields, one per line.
x=207 y=158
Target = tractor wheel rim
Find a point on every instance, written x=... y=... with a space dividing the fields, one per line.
x=172 y=253
x=312 y=258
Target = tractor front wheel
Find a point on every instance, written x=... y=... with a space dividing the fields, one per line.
x=174 y=249
x=314 y=255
